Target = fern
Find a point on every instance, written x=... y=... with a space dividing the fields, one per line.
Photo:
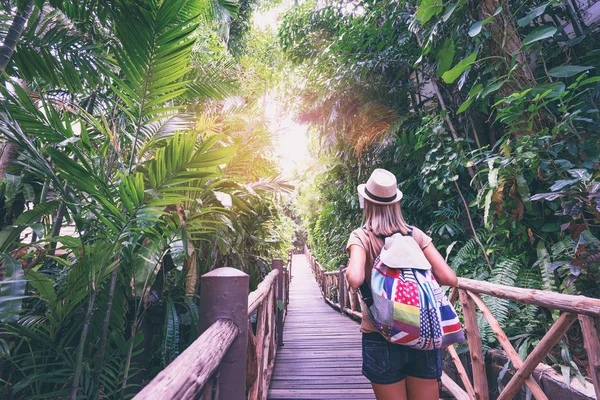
x=506 y=272
x=466 y=254
x=548 y=281
x=170 y=349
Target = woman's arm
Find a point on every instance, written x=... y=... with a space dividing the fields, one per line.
x=355 y=274
x=442 y=272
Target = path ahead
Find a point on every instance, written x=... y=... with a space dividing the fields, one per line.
x=321 y=353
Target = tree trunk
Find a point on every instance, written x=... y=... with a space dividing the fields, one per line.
x=14 y=34
x=506 y=42
x=105 y=327
x=9 y=153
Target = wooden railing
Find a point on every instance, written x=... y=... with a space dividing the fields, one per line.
x=335 y=288
x=340 y=296
x=234 y=356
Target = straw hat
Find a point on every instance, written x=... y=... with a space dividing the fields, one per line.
x=381 y=188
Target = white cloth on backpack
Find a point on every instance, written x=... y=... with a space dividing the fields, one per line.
x=402 y=251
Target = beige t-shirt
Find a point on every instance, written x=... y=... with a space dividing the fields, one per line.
x=372 y=246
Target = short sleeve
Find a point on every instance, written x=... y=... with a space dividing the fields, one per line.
x=357 y=239
x=421 y=238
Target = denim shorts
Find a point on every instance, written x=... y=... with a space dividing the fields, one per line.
x=385 y=363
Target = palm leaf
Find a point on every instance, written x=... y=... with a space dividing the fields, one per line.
x=153 y=53
x=12 y=289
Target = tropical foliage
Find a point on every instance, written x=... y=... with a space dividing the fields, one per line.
x=132 y=163
x=487 y=114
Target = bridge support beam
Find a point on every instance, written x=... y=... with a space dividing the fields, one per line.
x=224 y=294
x=278 y=265
x=342 y=289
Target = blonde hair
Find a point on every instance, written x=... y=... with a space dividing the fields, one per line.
x=384 y=219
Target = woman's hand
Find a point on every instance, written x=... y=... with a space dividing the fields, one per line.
x=355 y=273
x=442 y=272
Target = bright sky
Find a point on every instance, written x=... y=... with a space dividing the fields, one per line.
x=293 y=147
x=291 y=138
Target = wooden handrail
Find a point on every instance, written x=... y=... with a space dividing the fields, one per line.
x=257 y=297
x=185 y=378
x=233 y=355
x=558 y=301
x=586 y=309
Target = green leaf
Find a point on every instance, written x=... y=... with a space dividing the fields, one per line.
x=450 y=10
x=12 y=289
x=543 y=32
x=428 y=9
x=444 y=57
x=33 y=215
x=555 y=88
x=533 y=14
x=567 y=71
x=465 y=64
x=593 y=79
x=465 y=106
x=473 y=93
x=488 y=202
x=145 y=267
x=170 y=348
x=475 y=29
x=552 y=227
x=43 y=285
x=492 y=88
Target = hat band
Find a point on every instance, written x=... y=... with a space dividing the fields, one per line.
x=381 y=199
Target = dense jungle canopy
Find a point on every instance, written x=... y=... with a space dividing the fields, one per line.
x=141 y=148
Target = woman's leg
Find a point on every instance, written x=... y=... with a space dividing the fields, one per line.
x=395 y=391
x=421 y=389
x=383 y=365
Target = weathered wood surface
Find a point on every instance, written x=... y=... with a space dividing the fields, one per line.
x=267 y=299
x=462 y=373
x=570 y=303
x=471 y=328
x=258 y=296
x=321 y=355
x=512 y=354
x=203 y=357
x=453 y=388
x=591 y=338
x=540 y=351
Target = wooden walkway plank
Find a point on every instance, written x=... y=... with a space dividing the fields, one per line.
x=321 y=354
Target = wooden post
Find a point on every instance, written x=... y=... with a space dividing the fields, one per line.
x=342 y=289
x=512 y=354
x=480 y=384
x=286 y=288
x=278 y=265
x=224 y=294
x=540 y=351
x=590 y=328
x=462 y=372
x=323 y=282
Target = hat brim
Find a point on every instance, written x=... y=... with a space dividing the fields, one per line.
x=361 y=190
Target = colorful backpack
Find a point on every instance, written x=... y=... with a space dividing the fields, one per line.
x=406 y=304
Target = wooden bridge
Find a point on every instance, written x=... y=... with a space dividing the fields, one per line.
x=288 y=339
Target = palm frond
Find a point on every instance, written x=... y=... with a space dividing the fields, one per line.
x=53 y=51
x=153 y=53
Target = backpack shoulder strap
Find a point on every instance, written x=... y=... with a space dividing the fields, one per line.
x=366 y=294
x=410 y=233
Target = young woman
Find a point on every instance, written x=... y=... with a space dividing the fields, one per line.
x=395 y=371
